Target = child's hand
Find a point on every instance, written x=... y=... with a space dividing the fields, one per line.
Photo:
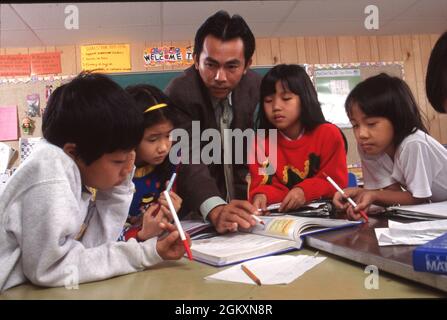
x=293 y=200
x=363 y=198
x=152 y=225
x=176 y=201
x=171 y=247
x=340 y=201
x=260 y=202
x=363 y=201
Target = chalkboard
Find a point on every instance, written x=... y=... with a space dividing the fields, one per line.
x=159 y=79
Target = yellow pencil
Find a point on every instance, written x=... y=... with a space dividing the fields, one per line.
x=251 y=275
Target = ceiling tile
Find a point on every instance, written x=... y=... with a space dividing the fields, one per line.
x=426 y=9
x=251 y=11
x=346 y=9
x=19 y=38
x=52 y=16
x=9 y=20
x=99 y=35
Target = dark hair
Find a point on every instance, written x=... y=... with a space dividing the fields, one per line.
x=147 y=96
x=391 y=98
x=224 y=27
x=436 y=79
x=294 y=78
x=95 y=113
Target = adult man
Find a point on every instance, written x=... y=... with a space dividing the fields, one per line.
x=222 y=93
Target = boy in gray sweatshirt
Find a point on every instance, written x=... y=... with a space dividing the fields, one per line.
x=52 y=233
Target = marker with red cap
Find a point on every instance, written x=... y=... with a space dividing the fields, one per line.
x=179 y=226
x=331 y=181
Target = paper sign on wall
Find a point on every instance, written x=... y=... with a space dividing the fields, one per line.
x=8 y=123
x=167 y=55
x=106 y=57
x=14 y=65
x=46 y=63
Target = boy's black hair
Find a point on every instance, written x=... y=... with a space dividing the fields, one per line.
x=436 y=79
x=225 y=27
x=146 y=96
x=95 y=113
x=391 y=98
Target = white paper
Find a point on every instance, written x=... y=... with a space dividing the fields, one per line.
x=6 y=153
x=282 y=269
x=415 y=233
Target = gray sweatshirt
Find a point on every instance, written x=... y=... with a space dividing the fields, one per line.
x=41 y=211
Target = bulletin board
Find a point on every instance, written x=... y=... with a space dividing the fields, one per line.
x=15 y=93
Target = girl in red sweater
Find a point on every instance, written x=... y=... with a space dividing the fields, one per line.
x=307 y=145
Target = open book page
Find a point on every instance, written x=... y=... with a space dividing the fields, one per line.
x=235 y=247
x=292 y=227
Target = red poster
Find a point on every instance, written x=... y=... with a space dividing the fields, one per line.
x=45 y=63
x=14 y=65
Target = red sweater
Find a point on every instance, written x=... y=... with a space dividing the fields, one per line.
x=301 y=163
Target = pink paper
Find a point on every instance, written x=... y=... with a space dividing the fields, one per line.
x=8 y=123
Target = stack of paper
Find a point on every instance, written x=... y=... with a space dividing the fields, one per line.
x=6 y=154
x=410 y=233
x=427 y=211
x=281 y=269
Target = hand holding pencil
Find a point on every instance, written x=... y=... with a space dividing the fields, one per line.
x=347 y=195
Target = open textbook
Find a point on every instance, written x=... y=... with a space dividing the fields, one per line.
x=280 y=234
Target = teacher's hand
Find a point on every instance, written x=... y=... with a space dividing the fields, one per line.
x=238 y=213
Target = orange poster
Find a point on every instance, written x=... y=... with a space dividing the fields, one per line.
x=45 y=63
x=167 y=55
x=14 y=65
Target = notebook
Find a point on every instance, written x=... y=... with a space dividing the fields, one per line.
x=280 y=234
x=426 y=211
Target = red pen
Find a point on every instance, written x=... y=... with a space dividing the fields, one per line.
x=179 y=226
x=362 y=213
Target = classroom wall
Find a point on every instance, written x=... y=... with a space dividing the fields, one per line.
x=412 y=49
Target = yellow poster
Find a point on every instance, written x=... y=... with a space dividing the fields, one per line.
x=106 y=58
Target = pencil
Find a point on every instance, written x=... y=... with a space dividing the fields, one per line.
x=271 y=207
x=251 y=275
x=336 y=186
x=178 y=225
x=258 y=219
x=171 y=182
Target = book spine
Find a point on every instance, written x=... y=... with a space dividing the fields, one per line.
x=434 y=261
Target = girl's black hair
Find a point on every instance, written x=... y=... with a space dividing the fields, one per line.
x=436 y=79
x=294 y=78
x=391 y=98
x=146 y=96
x=95 y=113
